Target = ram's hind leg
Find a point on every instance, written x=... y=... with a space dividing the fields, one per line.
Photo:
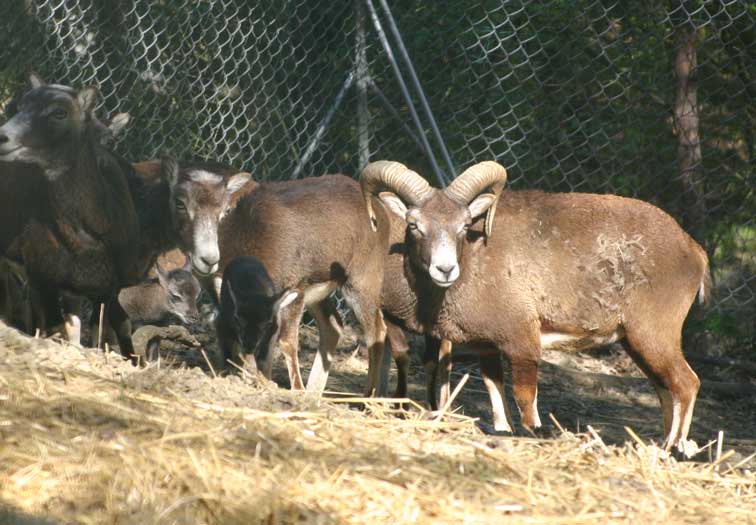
x=288 y=339
x=660 y=357
x=400 y=353
x=329 y=331
x=365 y=304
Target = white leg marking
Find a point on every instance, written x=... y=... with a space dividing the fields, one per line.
x=536 y=417
x=675 y=427
x=72 y=326
x=498 y=407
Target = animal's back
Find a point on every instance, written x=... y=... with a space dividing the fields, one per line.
x=306 y=231
x=588 y=258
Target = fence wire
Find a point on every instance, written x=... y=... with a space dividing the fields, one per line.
x=647 y=99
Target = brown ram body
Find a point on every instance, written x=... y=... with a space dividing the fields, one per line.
x=566 y=271
x=313 y=237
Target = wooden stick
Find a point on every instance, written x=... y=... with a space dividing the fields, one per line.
x=720 y=442
x=452 y=397
x=635 y=437
x=554 y=420
x=202 y=351
x=597 y=438
x=102 y=320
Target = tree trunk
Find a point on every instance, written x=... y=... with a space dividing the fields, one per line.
x=686 y=126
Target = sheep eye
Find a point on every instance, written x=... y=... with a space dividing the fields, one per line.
x=59 y=114
x=180 y=205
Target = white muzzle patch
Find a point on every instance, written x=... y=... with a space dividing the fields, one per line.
x=444 y=268
x=206 y=254
x=11 y=148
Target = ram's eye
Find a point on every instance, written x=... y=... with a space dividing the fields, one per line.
x=414 y=228
x=180 y=205
x=59 y=114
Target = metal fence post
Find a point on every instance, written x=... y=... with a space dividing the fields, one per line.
x=419 y=88
x=405 y=92
x=361 y=70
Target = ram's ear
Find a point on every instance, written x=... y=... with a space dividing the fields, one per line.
x=162 y=275
x=118 y=123
x=87 y=98
x=36 y=80
x=170 y=167
x=394 y=204
x=187 y=264
x=481 y=204
x=237 y=182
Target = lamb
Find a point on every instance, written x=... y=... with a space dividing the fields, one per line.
x=567 y=271
x=171 y=295
x=253 y=318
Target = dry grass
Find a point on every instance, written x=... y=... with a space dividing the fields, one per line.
x=86 y=438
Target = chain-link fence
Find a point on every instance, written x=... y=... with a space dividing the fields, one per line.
x=647 y=99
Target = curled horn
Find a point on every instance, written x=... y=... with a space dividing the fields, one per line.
x=386 y=175
x=474 y=180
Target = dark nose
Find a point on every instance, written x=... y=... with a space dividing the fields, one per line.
x=209 y=261
x=3 y=138
x=446 y=269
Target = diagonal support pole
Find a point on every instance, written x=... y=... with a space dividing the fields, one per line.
x=405 y=92
x=418 y=87
x=323 y=126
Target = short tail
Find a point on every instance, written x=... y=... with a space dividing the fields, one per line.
x=704 y=288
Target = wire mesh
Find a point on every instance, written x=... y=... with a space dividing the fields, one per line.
x=570 y=96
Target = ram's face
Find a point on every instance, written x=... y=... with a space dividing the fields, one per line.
x=46 y=129
x=436 y=234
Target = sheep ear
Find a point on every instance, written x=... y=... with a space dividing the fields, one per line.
x=36 y=80
x=170 y=167
x=232 y=295
x=118 y=123
x=87 y=98
x=284 y=300
x=481 y=204
x=237 y=182
x=162 y=275
x=394 y=203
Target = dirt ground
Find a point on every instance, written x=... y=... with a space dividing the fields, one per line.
x=87 y=438
x=601 y=388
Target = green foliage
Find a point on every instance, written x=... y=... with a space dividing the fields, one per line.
x=570 y=95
